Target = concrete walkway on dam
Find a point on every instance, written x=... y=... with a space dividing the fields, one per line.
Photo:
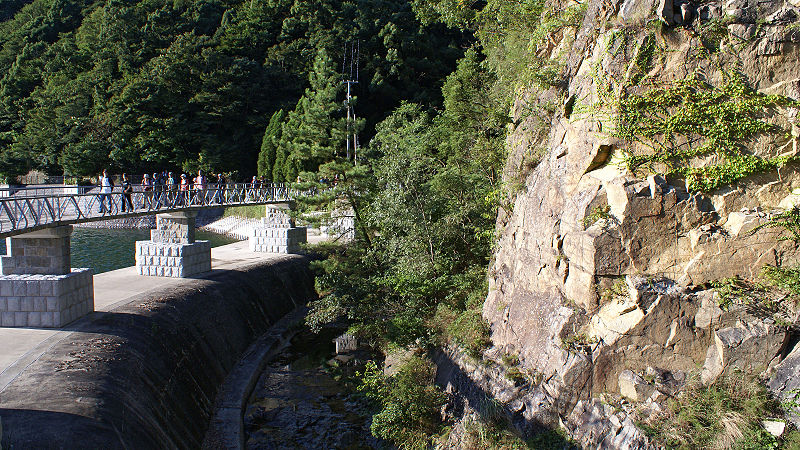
x=20 y=347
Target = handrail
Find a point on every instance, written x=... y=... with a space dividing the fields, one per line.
x=26 y=191
x=26 y=213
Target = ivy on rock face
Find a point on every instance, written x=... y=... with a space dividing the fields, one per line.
x=690 y=119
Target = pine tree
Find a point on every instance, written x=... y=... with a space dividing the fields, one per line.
x=314 y=132
x=269 y=144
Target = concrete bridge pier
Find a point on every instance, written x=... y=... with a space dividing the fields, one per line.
x=38 y=287
x=172 y=250
x=277 y=233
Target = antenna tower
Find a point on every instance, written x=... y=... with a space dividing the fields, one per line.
x=351 y=78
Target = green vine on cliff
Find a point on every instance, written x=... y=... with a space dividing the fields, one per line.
x=525 y=42
x=691 y=118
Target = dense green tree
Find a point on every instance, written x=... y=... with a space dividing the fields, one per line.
x=193 y=83
x=314 y=132
x=424 y=227
x=269 y=144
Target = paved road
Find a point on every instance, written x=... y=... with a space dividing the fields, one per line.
x=19 y=347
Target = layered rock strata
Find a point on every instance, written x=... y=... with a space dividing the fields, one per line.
x=604 y=269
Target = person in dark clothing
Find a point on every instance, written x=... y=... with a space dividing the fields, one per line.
x=127 y=191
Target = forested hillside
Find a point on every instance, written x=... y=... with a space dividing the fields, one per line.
x=140 y=85
x=256 y=86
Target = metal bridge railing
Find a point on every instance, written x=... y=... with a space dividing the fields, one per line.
x=21 y=212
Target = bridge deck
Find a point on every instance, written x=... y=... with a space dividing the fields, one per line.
x=24 y=211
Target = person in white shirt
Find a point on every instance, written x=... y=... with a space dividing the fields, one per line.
x=106 y=186
x=147 y=189
x=200 y=187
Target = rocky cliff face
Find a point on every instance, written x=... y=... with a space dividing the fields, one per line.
x=654 y=184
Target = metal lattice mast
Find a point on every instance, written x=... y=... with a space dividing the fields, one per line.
x=352 y=78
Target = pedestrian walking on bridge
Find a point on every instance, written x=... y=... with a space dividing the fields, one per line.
x=172 y=188
x=106 y=186
x=127 y=191
x=147 y=188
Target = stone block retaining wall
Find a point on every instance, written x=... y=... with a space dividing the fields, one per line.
x=277 y=240
x=145 y=375
x=45 y=300
x=160 y=259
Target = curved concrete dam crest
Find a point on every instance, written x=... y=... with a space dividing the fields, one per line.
x=145 y=374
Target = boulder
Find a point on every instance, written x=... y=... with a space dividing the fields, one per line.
x=774 y=427
x=748 y=345
x=709 y=310
x=634 y=387
x=597 y=425
x=785 y=382
x=635 y=10
x=666 y=13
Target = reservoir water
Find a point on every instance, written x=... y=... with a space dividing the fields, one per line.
x=104 y=249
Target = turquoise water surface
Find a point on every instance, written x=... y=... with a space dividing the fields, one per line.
x=104 y=250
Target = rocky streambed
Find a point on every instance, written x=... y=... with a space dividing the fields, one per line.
x=305 y=399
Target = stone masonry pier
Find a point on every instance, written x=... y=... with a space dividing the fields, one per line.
x=144 y=369
x=172 y=250
x=38 y=287
x=277 y=233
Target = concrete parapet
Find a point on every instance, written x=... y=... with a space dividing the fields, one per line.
x=277 y=240
x=38 y=300
x=159 y=259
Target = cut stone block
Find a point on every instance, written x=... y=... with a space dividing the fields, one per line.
x=277 y=240
x=178 y=260
x=72 y=293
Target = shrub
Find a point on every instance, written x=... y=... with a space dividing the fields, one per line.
x=466 y=328
x=409 y=403
x=479 y=435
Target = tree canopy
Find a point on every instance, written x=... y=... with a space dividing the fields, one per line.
x=146 y=84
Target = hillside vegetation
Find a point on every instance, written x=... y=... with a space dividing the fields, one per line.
x=141 y=85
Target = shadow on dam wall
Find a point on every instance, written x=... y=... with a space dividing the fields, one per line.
x=146 y=374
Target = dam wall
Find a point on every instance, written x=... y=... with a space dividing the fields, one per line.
x=145 y=374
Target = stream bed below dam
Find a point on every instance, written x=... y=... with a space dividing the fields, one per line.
x=304 y=399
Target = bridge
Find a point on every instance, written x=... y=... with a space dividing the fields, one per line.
x=38 y=286
x=23 y=210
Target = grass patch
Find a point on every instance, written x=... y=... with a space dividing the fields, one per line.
x=250 y=211
x=619 y=289
x=725 y=414
x=599 y=213
x=459 y=320
x=465 y=328
x=479 y=435
x=775 y=293
x=578 y=343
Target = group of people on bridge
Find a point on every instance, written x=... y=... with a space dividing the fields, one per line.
x=166 y=190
